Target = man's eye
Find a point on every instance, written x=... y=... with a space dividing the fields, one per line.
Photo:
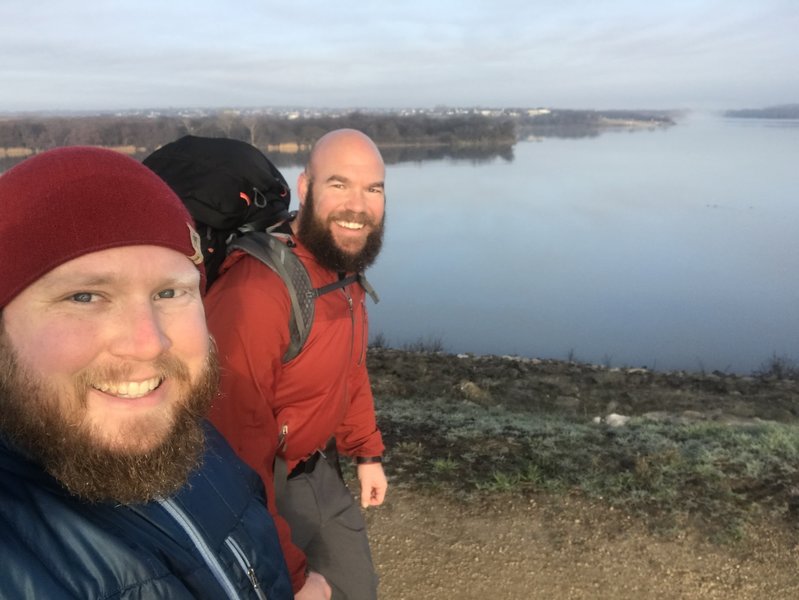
x=83 y=297
x=170 y=293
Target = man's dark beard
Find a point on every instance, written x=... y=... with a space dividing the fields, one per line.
x=316 y=236
x=34 y=423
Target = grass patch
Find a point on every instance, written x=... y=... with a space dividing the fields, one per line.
x=379 y=341
x=778 y=367
x=427 y=344
x=717 y=475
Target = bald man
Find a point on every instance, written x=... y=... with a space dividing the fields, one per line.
x=288 y=420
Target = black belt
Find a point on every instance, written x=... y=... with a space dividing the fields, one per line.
x=305 y=466
x=309 y=464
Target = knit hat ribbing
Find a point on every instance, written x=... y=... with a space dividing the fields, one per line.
x=71 y=201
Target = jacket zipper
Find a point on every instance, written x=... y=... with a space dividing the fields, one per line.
x=244 y=563
x=202 y=547
x=352 y=338
x=283 y=438
x=364 y=341
x=352 y=320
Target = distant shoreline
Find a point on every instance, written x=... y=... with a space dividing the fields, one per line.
x=292 y=133
x=785 y=111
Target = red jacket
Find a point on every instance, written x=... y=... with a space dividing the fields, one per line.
x=324 y=391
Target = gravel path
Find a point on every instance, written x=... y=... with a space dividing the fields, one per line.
x=432 y=547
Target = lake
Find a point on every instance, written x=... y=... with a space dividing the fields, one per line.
x=675 y=248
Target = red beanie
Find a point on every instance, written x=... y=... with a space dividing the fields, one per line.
x=71 y=201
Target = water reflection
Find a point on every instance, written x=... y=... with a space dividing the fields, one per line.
x=474 y=155
x=392 y=155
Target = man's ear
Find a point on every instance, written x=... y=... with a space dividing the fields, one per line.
x=302 y=187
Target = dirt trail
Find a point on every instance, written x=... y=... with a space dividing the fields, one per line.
x=544 y=548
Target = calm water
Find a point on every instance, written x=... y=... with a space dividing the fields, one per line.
x=674 y=249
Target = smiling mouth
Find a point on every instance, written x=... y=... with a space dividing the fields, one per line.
x=350 y=225
x=129 y=389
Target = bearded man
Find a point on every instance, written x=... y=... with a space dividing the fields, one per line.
x=111 y=483
x=287 y=420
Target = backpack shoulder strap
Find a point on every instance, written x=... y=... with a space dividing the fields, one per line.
x=279 y=257
x=367 y=287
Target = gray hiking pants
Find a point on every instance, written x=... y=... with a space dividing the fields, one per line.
x=328 y=526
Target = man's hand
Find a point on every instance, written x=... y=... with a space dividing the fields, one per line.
x=315 y=588
x=373 y=484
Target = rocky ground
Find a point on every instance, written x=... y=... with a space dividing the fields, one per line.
x=430 y=544
x=551 y=386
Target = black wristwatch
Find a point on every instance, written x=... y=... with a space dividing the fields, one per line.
x=366 y=460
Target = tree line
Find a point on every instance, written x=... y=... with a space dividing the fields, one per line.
x=473 y=135
x=260 y=130
x=264 y=130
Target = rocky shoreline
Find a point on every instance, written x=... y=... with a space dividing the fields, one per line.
x=583 y=390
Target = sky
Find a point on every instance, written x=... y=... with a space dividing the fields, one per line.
x=62 y=55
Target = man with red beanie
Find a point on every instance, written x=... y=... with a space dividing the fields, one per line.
x=112 y=485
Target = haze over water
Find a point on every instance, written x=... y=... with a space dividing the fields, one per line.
x=674 y=249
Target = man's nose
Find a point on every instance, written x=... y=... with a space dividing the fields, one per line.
x=141 y=334
x=357 y=200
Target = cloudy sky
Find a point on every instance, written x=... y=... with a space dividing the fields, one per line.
x=115 y=54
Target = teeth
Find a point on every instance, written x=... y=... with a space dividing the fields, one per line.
x=349 y=225
x=129 y=389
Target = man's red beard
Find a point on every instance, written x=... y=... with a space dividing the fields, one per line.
x=315 y=234
x=34 y=421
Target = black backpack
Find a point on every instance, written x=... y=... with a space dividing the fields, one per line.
x=237 y=197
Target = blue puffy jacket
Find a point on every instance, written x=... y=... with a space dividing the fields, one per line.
x=213 y=539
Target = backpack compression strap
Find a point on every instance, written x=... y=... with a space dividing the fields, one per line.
x=344 y=282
